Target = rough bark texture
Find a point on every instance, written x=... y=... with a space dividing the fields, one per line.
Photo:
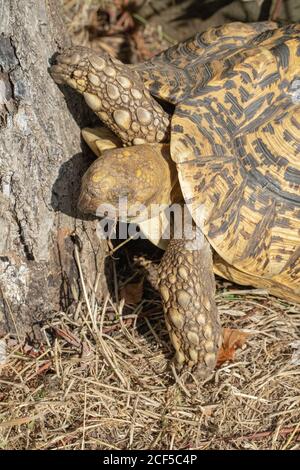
x=41 y=163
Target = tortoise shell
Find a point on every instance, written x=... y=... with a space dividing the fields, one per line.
x=235 y=138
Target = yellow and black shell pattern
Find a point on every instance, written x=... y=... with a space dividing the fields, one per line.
x=235 y=137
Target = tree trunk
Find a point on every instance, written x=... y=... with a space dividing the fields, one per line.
x=41 y=164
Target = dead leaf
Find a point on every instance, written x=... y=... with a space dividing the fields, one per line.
x=68 y=336
x=32 y=351
x=232 y=340
x=41 y=369
x=133 y=293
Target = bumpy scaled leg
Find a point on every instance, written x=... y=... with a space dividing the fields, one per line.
x=187 y=287
x=115 y=93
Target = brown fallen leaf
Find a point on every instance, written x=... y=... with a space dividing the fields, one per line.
x=68 y=336
x=41 y=369
x=132 y=293
x=232 y=340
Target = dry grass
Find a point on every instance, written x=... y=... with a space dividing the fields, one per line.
x=115 y=26
x=103 y=380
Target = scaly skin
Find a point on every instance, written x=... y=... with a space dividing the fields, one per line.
x=145 y=174
x=115 y=93
x=185 y=276
x=235 y=139
x=187 y=287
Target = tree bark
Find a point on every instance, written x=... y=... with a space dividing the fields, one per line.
x=41 y=164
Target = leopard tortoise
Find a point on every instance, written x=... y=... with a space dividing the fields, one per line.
x=231 y=138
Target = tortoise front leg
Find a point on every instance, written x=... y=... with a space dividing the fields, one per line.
x=115 y=93
x=187 y=287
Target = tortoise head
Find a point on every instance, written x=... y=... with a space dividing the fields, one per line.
x=128 y=182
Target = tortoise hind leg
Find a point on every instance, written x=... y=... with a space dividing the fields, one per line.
x=187 y=287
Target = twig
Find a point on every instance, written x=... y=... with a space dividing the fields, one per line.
x=84 y=420
x=78 y=262
x=122 y=244
x=276 y=10
x=256 y=436
x=11 y=314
